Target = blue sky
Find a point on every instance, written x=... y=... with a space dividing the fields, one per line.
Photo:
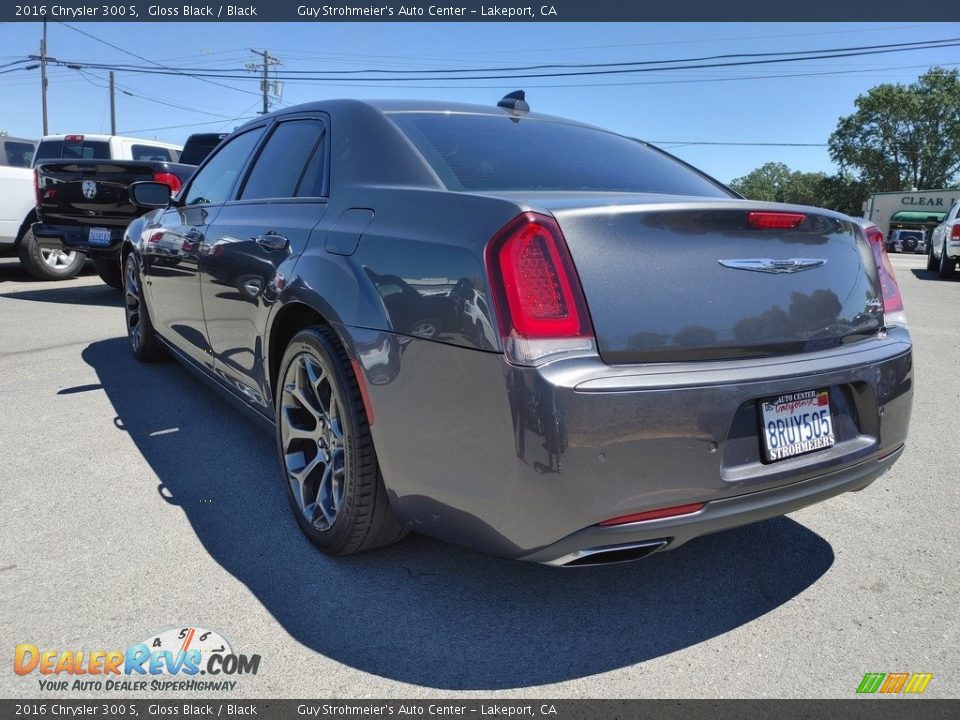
x=739 y=104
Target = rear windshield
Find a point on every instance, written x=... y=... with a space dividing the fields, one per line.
x=60 y=149
x=17 y=154
x=153 y=152
x=488 y=152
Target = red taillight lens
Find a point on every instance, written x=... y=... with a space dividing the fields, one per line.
x=540 y=303
x=168 y=179
x=653 y=514
x=955 y=233
x=892 y=301
x=36 y=186
x=775 y=220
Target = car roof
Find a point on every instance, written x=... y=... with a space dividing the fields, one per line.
x=343 y=105
x=99 y=137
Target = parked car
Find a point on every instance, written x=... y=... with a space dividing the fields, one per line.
x=83 y=205
x=16 y=190
x=945 y=244
x=50 y=260
x=669 y=360
x=913 y=241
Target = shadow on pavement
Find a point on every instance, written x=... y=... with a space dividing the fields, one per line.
x=932 y=275
x=422 y=611
x=64 y=292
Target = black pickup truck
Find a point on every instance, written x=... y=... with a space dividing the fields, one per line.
x=84 y=205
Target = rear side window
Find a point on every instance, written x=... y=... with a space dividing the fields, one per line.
x=293 y=153
x=17 y=154
x=214 y=181
x=489 y=152
x=62 y=150
x=152 y=152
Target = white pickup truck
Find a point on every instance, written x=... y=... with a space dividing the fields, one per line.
x=945 y=244
x=18 y=192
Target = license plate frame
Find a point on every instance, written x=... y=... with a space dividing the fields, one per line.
x=99 y=237
x=796 y=423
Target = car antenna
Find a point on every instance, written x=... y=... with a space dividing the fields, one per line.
x=515 y=102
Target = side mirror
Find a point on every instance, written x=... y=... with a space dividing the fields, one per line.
x=149 y=195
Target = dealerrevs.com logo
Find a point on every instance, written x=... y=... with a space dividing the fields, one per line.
x=894 y=683
x=173 y=659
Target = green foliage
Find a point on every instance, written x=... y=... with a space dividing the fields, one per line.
x=775 y=182
x=904 y=136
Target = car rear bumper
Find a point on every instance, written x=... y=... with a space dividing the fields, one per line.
x=75 y=237
x=525 y=462
x=593 y=545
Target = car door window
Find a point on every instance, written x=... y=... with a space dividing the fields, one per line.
x=287 y=162
x=214 y=181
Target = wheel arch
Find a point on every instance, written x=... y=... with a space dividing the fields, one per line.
x=29 y=220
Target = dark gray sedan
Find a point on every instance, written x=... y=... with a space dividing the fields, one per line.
x=520 y=333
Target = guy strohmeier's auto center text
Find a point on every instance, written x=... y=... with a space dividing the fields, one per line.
x=199 y=11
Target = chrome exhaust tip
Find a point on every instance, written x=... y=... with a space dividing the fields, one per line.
x=609 y=554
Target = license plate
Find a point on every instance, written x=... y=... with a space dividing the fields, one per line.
x=796 y=423
x=99 y=236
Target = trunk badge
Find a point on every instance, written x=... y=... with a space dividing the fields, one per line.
x=89 y=189
x=769 y=265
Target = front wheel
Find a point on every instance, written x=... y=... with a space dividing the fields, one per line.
x=144 y=343
x=946 y=264
x=108 y=268
x=326 y=452
x=49 y=263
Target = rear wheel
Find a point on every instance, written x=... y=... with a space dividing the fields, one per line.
x=49 y=263
x=947 y=265
x=144 y=343
x=108 y=268
x=326 y=451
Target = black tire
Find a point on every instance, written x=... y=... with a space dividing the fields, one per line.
x=108 y=268
x=144 y=342
x=947 y=266
x=49 y=265
x=932 y=263
x=316 y=365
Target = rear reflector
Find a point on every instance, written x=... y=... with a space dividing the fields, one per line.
x=73 y=138
x=364 y=392
x=168 y=179
x=653 y=514
x=539 y=301
x=775 y=220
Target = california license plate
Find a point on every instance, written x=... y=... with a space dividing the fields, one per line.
x=99 y=236
x=797 y=423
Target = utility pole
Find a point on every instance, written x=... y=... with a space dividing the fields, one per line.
x=113 y=107
x=268 y=60
x=43 y=75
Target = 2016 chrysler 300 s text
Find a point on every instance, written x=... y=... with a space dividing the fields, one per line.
x=520 y=333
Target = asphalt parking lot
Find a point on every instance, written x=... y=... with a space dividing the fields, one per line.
x=135 y=500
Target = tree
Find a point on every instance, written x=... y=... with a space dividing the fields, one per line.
x=775 y=182
x=903 y=136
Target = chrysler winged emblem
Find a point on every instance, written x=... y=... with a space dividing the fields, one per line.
x=89 y=189
x=769 y=265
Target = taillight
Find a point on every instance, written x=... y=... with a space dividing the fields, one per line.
x=955 y=233
x=539 y=301
x=36 y=185
x=775 y=220
x=892 y=301
x=168 y=179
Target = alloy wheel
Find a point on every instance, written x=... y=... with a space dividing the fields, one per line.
x=313 y=440
x=57 y=258
x=131 y=297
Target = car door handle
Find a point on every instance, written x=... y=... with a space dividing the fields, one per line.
x=271 y=241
